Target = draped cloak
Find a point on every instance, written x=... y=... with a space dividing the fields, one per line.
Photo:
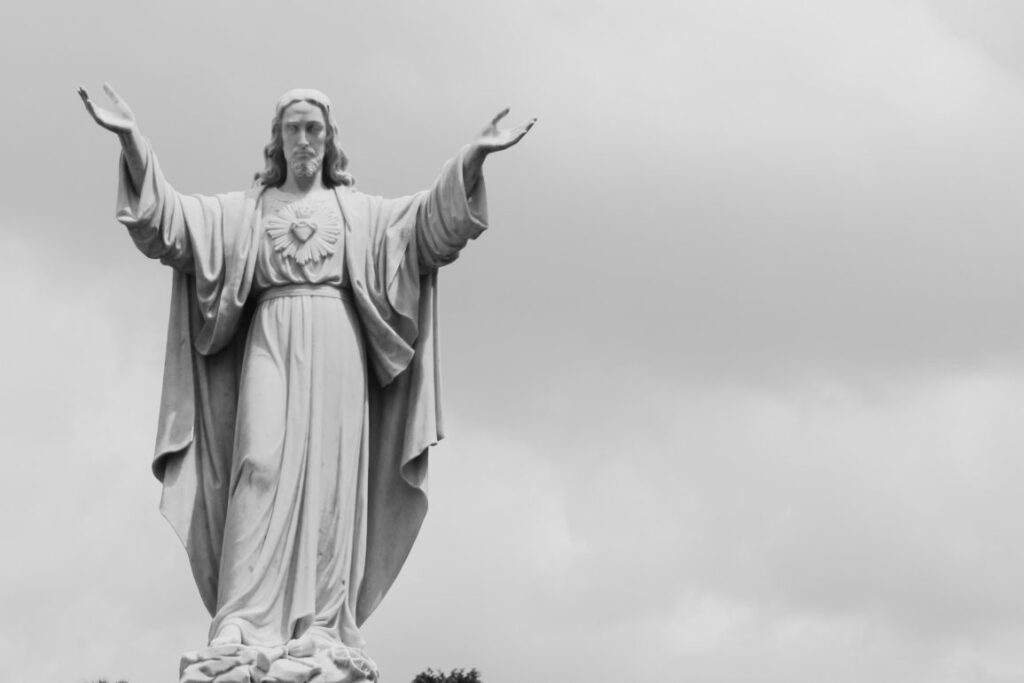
x=393 y=248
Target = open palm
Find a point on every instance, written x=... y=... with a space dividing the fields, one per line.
x=494 y=139
x=118 y=119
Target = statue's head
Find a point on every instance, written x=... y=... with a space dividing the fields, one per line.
x=304 y=141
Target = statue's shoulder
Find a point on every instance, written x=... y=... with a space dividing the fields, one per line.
x=253 y=194
x=350 y=197
x=350 y=192
x=353 y=191
x=233 y=208
x=231 y=199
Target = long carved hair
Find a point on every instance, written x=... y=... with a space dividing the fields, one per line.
x=335 y=161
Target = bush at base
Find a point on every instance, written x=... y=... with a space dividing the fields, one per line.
x=456 y=676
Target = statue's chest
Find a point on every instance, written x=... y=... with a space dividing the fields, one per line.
x=304 y=230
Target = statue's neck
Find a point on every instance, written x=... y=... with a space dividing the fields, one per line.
x=303 y=185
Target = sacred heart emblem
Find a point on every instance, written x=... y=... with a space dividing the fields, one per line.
x=297 y=234
x=303 y=230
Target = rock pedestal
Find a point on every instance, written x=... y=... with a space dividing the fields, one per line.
x=292 y=663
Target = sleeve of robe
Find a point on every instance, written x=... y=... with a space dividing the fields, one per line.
x=412 y=237
x=199 y=395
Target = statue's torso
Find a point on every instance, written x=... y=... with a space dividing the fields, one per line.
x=302 y=241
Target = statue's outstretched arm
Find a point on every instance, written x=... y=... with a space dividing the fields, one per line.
x=120 y=120
x=490 y=139
x=157 y=217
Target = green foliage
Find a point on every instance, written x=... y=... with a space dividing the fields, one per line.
x=456 y=676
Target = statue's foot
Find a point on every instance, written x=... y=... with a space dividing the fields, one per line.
x=228 y=635
x=303 y=646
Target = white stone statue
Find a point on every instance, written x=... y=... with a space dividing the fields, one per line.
x=300 y=391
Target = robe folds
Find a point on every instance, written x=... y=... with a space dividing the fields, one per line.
x=392 y=250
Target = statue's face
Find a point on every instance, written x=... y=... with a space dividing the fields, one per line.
x=303 y=134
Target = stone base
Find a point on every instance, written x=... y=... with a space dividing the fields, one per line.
x=293 y=663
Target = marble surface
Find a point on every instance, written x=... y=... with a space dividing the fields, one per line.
x=295 y=662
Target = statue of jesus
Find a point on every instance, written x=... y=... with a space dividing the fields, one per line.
x=300 y=390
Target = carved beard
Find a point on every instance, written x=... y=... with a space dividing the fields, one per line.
x=306 y=167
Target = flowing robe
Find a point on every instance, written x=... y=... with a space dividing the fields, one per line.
x=391 y=251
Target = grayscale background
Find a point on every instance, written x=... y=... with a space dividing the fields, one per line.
x=734 y=384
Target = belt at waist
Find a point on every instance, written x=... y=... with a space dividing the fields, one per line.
x=329 y=291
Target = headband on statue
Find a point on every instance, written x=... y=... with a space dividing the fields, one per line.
x=303 y=95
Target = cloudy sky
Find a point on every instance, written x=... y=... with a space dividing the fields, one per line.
x=734 y=384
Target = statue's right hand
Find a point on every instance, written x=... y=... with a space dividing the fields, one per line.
x=119 y=119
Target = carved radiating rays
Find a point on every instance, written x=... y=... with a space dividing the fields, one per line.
x=304 y=231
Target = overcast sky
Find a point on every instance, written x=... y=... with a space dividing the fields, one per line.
x=734 y=384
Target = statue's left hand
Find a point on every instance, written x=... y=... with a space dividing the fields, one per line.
x=494 y=139
x=490 y=139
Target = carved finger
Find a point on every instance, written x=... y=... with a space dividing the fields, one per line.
x=87 y=101
x=500 y=116
x=524 y=129
x=89 y=107
x=107 y=88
